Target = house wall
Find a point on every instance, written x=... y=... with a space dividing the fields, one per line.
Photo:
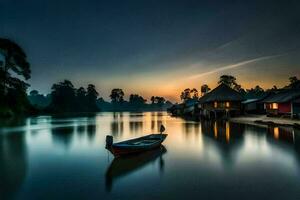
x=234 y=105
x=250 y=106
x=284 y=108
x=271 y=111
x=296 y=109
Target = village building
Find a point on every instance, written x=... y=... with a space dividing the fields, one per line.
x=256 y=105
x=222 y=101
x=284 y=103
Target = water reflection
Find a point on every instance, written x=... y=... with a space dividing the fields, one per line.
x=223 y=131
x=228 y=139
x=13 y=122
x=124 y=166
x=91 y=129
x=117 y=124
x=206 y=155
x=62 y=136
x=13 y=163
x=285 y=134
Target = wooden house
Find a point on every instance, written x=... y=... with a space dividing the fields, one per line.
x=256 y=105
x=222 y=101
x=284 y=103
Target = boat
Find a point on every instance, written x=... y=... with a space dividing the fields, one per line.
x=136 y=145
x=126 y=165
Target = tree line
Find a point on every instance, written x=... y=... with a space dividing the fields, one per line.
x=64 y=97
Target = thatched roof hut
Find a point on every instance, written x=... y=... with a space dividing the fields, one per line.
x=222 y=93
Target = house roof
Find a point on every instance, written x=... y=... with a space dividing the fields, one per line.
x=222 y=93
x=191 y=102
x=250 y=101
x=283 y=96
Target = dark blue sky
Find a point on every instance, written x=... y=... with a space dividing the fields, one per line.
x=155 y=47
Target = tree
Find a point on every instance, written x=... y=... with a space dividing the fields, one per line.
x=92 y=93
x=160 y=100
x=34 y=93
x=294 y=82
x=293 y=79
x=228 y=80
x=204 y=89
x=91 y=96
x=81 y=93
x=117 y=95
x=136 y=100
x=189 y=94
x=152 y=99
x=63 y=97
x=186 y=94
x=194 y=93
x=15 y=60
x=38 y=100
x=12 y=89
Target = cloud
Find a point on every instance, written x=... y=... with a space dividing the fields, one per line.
x=232 y=66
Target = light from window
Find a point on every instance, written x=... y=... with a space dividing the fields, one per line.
x=227 y=104
x=216 y=104
x=274 y=106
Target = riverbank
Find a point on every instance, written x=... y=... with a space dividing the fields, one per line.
x=264 y=120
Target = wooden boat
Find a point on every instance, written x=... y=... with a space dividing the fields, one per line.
x=136 y=145
x=125 y=165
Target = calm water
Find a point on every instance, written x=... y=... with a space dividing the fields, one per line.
x=64 y=158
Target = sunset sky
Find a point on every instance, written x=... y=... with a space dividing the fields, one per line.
x=155 y=47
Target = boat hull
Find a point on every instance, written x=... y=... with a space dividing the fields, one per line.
x=128 y=147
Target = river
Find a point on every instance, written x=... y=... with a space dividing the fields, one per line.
x=65 y=158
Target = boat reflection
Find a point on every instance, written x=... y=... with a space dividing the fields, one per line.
x=123 y=166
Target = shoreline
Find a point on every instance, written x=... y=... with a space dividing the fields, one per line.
x=264 y=120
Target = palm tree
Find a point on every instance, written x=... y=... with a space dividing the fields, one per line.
x=15 y=60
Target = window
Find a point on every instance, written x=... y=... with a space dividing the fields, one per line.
x=227 y=104
x=215 y=104
x=274 y=106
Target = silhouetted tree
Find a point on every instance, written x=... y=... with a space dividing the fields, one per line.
x=160 y=100
x=63 y=97
x=189 y=94
x=228 y=80
x=91 y=96
x=39 y=100
x=12 y=89
x=152 y=99
x=204 y=89
x=186 y=94
x=294 y=82
x=136 y=99
x=194 y=93
x=34 y=93
x=117 y=95
x=81 y=93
